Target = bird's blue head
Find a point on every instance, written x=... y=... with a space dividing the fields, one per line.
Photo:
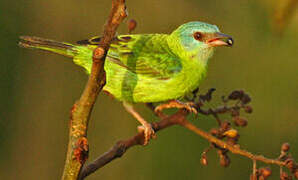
x=198 y=39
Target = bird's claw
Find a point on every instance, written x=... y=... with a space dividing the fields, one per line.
x=189 y=106
x=148 y=132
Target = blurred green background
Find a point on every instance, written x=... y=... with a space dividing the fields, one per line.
x=38 y=89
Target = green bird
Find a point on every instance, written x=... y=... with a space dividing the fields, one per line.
x=147 y=68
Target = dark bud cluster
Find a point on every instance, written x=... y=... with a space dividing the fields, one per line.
x=285 y=147
x=289 y=161
x=242 y=99
x=235 y=102
x=240 y=121
x=292 y=166
x=131 y=25
x=208 y=96
x=204 y=160
x=226 y=131
x=237 y=94
x=224 y=159
x=261 y=174
x=248 y=109
x=285 y=176
x=226 y=125
x=229 y=133
x=265 y=172
x=240 y=95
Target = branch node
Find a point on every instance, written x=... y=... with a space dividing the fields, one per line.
x=82 y=150
x=98 y=54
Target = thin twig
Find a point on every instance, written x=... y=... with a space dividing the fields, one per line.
x=77 y=152
x=254 y=170
x=235 y=149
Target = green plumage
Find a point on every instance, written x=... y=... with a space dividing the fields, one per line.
x=144 y=68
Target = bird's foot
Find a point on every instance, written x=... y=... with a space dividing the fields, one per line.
x=146 y=127
x=148 y=131
x=189 y=106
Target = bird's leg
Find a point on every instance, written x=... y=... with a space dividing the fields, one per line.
x=190 y=106
x=146 y=127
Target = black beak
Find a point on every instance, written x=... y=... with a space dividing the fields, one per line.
x=220 y=39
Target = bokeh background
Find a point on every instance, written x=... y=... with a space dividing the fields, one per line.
x=38 y=88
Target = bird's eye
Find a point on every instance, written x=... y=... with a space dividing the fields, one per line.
x=198 y=36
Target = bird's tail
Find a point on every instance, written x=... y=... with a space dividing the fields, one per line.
x=47 y=45
x=82 y=55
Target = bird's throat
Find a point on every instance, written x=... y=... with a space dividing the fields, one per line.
x=203 y=55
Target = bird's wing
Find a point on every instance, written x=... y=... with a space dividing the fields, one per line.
x=147 y=55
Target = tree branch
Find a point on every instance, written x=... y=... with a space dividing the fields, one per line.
x=215 y=139
x=123 y=145
x=77 y=152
